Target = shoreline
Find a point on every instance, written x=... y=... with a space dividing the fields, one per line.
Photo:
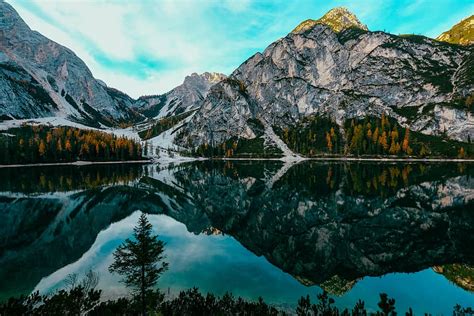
x=301 y=159
x=77 y=163
x=283 y=159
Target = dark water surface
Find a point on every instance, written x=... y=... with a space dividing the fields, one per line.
x=266 y=229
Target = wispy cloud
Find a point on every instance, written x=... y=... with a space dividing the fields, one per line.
x=147 y=47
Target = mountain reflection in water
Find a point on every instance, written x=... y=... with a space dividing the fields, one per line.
x=327 y=224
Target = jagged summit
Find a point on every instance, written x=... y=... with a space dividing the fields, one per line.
x=338 y=19
x=461 y=33
x=183 y=98
x=210 y=77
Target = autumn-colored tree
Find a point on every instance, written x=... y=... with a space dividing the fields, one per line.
x=84 y=150
x=42 y=148
x=59 y=146
x=394 y=148
x=383 y=140
x=329 y=142
x=49 y=137
x=406 y=140
x=375 y=136
x=68 y=146
x=462 y=153
x=394 y=135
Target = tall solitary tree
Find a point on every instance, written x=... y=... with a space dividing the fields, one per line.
x=140 y=260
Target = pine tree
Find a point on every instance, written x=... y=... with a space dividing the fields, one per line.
x=140 y=260
x=424 y=151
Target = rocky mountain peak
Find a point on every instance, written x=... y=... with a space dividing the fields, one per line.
x=206 y=77
x=338 y=19
x=213 y=77
x=461 y=33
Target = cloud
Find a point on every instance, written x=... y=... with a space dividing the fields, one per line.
x=148 y=47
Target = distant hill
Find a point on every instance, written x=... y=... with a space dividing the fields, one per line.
x=462 y=33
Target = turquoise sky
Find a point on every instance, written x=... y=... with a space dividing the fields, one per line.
x=147 y=47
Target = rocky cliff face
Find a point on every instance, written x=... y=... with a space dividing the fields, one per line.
x=344 y=74
x=40 y=78
x=185 y=97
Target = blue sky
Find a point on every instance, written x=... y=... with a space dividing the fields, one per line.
x=148 y=47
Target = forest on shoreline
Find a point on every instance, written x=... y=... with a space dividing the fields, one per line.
x=42 y=144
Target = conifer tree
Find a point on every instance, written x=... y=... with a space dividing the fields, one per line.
x=140 y=260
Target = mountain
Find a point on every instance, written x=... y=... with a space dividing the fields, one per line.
x=333 y=68
x=185 y=97
x=338 y=19
x=462 y=33
x=328 y=76
x=40 y=78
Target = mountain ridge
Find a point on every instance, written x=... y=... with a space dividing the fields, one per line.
x=32 y=64
x=183 y=98
x=332 y=68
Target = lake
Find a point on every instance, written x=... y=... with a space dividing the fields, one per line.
x=254 y=228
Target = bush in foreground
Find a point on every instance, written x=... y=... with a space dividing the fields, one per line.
x=80 y=300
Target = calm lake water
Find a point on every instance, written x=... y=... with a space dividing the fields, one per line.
x=266 y=229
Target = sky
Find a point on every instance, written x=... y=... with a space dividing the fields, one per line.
x=149 y=46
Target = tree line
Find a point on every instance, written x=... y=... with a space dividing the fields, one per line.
x=320 y=136
x=384 y=136
x=35 y=144
x=379 y=136
x=312 y=136
x=67 y=178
